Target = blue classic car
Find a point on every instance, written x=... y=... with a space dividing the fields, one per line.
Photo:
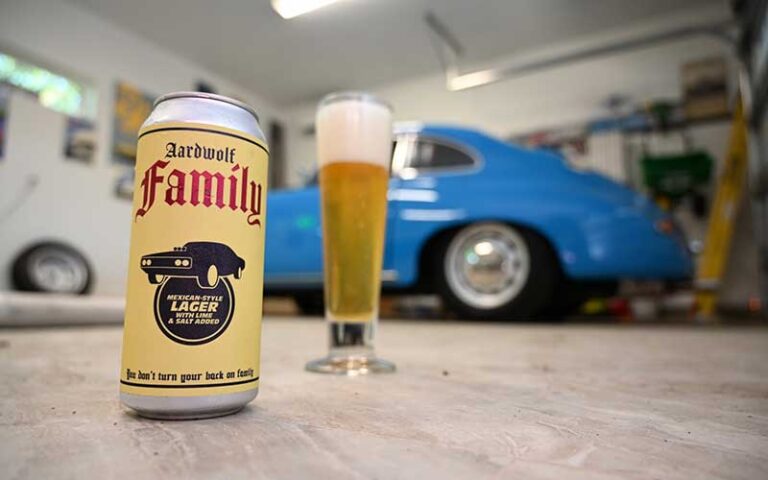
x=496 y=230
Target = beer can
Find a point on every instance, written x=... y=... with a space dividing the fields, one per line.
x=191 y=342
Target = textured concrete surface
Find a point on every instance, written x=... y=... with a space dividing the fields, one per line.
x=470 y=401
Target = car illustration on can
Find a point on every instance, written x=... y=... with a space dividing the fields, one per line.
x=205 y=261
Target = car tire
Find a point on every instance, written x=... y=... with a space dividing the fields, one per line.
x=156 y=278
x=239 y=273
x=52 y=268
x=496 y=271
x=310 y=303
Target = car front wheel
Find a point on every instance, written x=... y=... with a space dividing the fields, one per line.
x=496 y=271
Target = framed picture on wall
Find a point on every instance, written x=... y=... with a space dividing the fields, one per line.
x=124 y=183
x=80 y=140
x=705 y=89
x=132 y=107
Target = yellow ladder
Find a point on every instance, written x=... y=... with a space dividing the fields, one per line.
x=721 y=222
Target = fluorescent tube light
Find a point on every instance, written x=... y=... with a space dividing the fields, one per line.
x=294 y=8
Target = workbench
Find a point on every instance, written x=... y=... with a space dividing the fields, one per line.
x=470 y=401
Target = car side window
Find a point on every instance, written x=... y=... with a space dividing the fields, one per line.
x=429 y=154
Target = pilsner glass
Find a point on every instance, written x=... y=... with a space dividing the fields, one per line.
x=354 y=139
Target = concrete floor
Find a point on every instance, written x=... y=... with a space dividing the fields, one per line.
x=469 y=401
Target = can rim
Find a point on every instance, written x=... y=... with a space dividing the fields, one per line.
x=353 y=95
x=207 y=96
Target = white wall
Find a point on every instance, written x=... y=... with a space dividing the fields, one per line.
x=70 y=201
x=546 y=99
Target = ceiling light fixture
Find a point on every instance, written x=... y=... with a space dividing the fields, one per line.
x=294 y=8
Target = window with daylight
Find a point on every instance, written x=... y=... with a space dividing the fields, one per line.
x=54 y=91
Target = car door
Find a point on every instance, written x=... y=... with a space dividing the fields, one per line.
x=429 y=174
x=294 y=253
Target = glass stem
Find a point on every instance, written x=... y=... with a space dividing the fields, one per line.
x=354 y=339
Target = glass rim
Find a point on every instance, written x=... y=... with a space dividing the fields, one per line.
x=352 y=95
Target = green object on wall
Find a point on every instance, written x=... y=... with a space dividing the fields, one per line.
x=676 y=175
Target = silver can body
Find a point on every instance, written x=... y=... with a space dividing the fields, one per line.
x=215 y=110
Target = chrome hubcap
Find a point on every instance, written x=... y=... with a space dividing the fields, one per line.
x=57 y=271
x=487 y=265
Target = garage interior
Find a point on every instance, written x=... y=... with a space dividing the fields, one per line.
x=622 y=333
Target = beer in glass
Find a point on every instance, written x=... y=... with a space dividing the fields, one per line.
x=354 y=138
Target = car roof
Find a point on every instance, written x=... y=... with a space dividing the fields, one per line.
x=472 y=136
x=421 y=127
x=485 y=143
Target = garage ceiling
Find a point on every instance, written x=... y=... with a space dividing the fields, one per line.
x=362 y=43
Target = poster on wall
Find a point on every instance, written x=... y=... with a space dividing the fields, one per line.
x=132 y=107
x=705 y=89
x=124 y=183
x=80 y=140
x=5 y=94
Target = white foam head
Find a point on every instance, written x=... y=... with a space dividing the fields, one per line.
x=353 y=127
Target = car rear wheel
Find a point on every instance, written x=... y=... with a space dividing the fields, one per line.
x=496 y=271
x=52 y=268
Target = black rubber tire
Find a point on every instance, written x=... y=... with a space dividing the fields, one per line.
x=310 y=303
x=528 y=304
x=24 y=280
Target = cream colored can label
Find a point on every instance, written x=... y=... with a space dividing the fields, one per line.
x=195 y=278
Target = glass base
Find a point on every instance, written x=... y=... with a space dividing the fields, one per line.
x=351 y=366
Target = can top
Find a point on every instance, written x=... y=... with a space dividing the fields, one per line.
x=207 y=96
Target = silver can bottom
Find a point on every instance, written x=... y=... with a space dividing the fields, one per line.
x=188 y=408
